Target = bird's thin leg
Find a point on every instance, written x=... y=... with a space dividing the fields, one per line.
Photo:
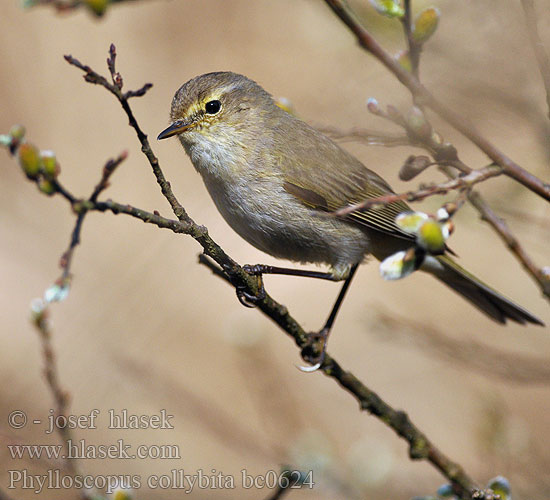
x=259 y=269
x=323 y=334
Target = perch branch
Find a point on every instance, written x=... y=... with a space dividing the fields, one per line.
x=420 y=447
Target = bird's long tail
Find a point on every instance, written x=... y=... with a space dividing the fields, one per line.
x=487 y=300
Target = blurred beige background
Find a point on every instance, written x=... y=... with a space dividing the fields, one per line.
x=146 y=328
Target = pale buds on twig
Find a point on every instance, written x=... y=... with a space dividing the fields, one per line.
x=431 y=233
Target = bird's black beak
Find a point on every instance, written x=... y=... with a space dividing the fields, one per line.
x=177 y=127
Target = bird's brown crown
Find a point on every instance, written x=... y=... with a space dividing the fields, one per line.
x=220 y=95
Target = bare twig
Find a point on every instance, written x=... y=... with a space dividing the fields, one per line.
x=93 y=77
x=81 y=210
x=139 y=92
x=60 y=396
x=414 y=48
x=369 y=137
x=502 y=229
x=420 y=133
x=538 y=47
x=461 y=183
x=423 y=96
x=108 y=170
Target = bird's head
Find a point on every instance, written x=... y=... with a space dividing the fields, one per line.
x=215 y=107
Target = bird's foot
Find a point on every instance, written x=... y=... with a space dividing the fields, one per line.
x=256 y=269
x=248 y=299
x=315 y=351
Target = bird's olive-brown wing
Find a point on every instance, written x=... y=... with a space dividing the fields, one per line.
x=324 y=176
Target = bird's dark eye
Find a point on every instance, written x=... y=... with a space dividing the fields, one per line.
x=212 y=107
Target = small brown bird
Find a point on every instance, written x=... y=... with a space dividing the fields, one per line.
x=274 y=178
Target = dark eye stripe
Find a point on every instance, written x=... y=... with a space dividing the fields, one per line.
x=212 y=107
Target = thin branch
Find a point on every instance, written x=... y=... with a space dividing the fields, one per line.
x=108 y=170
x=67 y=257
x=538 y=47
x=541 y=278
x=60 y=396
x=369 y=137
x=80 y=208
x=92 y=77
x=420 y=133
x=63 y=192
x=414 y=48
x=423 y=96
x=154 y=218
x=139 y=92
x=460 y=183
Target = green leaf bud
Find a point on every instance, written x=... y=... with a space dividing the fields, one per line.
x=425 y=25
x=17 y=132
x=49 y=164
x=29 y=159
x=389 y=8
x=46 y=186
